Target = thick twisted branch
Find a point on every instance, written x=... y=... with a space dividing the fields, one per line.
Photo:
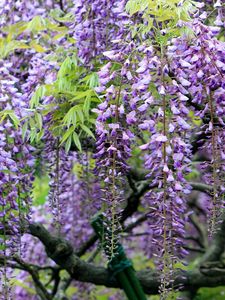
x=63 y=254
x=217 y=247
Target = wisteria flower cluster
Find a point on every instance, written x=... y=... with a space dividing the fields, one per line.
x=119 y=106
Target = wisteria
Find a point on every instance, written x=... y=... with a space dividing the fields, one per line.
x=113 y=151
x=203 y=74
x=97 y=25
x=17 y=161
x=112 y=109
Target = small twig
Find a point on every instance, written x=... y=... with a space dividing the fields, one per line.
x=134 y=224
x=135 y=234
x=201 y=187
x=203 y=241
x=193 y=249
x=42 y=292
x=61 y=5
x=56 y=283
x=94 y=254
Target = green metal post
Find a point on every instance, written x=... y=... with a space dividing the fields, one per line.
x=126 y=277
x=130 y=272
x=125 y=284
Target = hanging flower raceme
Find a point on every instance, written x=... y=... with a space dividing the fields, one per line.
x=23 y=10
x=16 y=174
x=167 y=156
x=79 y=198
x=97 y=24
x=146 y=102
x=40 y=71
x=112 y=148
x=18 y=82
x=71 y=192
x=199 y=67
x=75 y=206
x=17 y=159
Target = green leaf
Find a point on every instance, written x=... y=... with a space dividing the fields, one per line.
x=92 y=121
x=133 y=7
x=15 y=120
x=8 y=46
x=24 y=130
x=38 y=94
x=68 y=143
x=59 y=16
x=33 y=134
x=9 y=113
x=81 y=115
x=36 y=24
x=87 y=130
x=15 y=29
x=161 y=11
x=66 y=66
x=39 y=135
x=38 y=119
x=93 y=80
x=67 y=134
x=3 y=118
x=70 y=117
x=37 y=47
x=77 y=141
x=86 y=107
x=82 y=95
x=32 y=124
